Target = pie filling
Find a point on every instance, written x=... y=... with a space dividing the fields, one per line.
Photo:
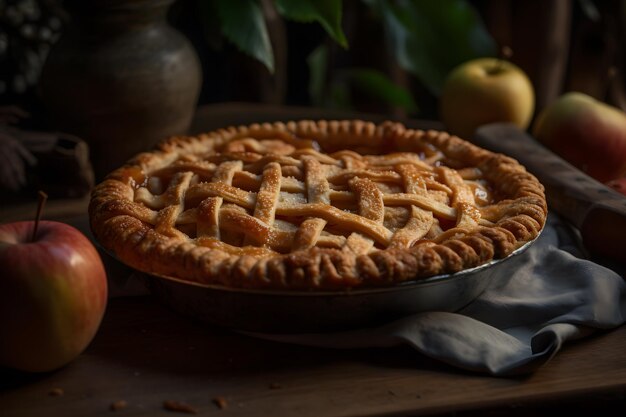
x=316 y=205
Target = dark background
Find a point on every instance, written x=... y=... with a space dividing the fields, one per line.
x=560 y=44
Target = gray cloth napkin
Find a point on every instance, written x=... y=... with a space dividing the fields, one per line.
x=550 y=295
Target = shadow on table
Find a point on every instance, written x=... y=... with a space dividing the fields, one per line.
x=142 y=334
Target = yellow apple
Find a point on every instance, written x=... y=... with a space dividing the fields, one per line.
x=587 y=133
x=486 y=90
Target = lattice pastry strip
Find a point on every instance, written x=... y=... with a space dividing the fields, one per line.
x=266 y=202
x=420 y=220
x=317 y=187
x=308 y=234
x=208 y=218
x=468 y=216
x=165 y=222
x=317 y=190
x=370 y=206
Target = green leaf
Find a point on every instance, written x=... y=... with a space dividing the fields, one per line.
x=336 y=94
x=318 y=65
x=378 y=86
x=590 y=10
x=430 y=38
x=326 y=12
x=242 y=23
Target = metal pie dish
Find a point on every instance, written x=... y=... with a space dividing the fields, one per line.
x=273 y=311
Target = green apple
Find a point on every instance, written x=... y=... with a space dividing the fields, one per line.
x=587 y=133
x=486 y=90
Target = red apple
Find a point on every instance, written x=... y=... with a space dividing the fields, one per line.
x=618 y=184
x=486 y=90
x=587 y=133
x=53 y=294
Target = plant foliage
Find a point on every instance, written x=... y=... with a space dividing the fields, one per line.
x=430 y=38
x=242 y=22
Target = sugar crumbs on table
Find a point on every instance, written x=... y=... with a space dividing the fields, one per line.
x=118 y=405
x=178 y=406
x=56 y=392
x=220 y=402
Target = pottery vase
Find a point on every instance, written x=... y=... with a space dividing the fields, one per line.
x=121 y=78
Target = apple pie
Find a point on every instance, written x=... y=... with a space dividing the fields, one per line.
x=315 y=205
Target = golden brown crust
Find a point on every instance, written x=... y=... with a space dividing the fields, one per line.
x=175 y=211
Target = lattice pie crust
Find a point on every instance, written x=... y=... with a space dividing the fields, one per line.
x=315 y=205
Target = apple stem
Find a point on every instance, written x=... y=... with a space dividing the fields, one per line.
x=505 y=54
x=42 y=202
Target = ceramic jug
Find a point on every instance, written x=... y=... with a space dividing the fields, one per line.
x=121 y=78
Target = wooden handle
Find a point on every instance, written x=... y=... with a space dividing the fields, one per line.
x=598 y=211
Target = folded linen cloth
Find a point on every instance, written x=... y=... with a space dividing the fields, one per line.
x=548 y=296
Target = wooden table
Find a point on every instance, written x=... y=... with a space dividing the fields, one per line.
x=144 y=354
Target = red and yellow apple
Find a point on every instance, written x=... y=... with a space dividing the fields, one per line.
x=53 y=294
x=587 y=133
x=618 y=184
x=486 y=90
